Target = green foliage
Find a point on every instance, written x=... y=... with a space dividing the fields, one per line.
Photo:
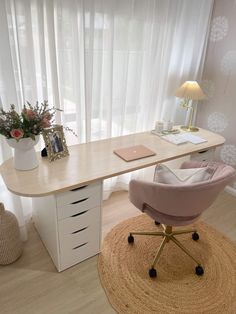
x=30 y=122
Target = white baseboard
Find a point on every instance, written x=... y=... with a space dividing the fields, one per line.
x=230 y=190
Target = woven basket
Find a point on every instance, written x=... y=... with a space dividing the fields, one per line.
x=11 y=246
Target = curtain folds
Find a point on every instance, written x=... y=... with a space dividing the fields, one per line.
x=112 y=66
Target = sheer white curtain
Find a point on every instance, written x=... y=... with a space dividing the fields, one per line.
x=112 y=66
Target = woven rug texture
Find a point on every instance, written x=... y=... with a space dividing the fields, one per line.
x=123 y=271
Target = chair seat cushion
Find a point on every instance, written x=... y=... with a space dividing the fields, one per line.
x=170 y=220
x=164 y=174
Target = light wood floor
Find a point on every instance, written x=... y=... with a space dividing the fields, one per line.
x=33 y=286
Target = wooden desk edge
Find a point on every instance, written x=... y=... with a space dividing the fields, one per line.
x=103 y=177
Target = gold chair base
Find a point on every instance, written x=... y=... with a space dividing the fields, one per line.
x=168 y=235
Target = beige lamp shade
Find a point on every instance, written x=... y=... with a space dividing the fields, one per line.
x=190 y=90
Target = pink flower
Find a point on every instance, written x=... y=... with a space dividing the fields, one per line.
x=30 y=113
x=17 y=133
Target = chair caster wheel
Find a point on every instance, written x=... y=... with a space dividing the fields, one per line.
x=157 y=223
x=199 y=270
x=130 y=239
x=195 y=236
x=152 y=272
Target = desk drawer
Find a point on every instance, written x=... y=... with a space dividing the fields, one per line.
x=74 y=202
x=70 y=257
x=76 y=194
x=82 y=220
x=74 y=239
x=205 y=155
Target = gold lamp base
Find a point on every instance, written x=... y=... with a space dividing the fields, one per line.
x=189 y=128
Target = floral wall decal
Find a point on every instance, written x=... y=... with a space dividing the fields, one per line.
x=217 y=122
x=208 y=87
x=219 y=28
x=228 y=63
x=219 y=80
x=228 y=154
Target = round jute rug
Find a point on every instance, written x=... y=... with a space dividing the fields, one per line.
x=123 y=270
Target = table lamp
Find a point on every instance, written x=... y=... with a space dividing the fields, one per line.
x=190 y=91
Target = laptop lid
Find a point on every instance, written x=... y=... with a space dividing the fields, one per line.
x=134 y=152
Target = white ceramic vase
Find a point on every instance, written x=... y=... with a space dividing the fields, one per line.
x=25 y=157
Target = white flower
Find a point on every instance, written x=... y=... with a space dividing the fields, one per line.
x=228 y=63
x=228 y=154
x=217 y=122
x=219 y=28
x=208 y=88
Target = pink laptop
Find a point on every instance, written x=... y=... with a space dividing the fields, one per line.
x=134 y=152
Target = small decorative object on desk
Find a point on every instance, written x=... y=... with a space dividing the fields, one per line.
x=173 y=131
x=165 y=132
x=22 y=131
x=11 y=246
x=55 y=142
x=159 y=126
x=168 y=125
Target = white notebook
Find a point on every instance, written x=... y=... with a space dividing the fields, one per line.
x=175 y=138
x=194 y=139
x=184 y=138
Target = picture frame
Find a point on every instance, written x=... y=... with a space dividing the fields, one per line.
x=55 y=142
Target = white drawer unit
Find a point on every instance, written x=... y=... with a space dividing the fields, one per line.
x=69 y=224
x=204 y=155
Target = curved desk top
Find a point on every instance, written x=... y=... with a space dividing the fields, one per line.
x=96 y=161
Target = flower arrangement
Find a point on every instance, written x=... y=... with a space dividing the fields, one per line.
x=29 y=123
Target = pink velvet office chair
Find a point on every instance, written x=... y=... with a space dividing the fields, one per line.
x=178 y=205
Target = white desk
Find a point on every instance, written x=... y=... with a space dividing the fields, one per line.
x=67 y=194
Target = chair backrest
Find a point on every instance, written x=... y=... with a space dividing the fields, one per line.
x=182 y=200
